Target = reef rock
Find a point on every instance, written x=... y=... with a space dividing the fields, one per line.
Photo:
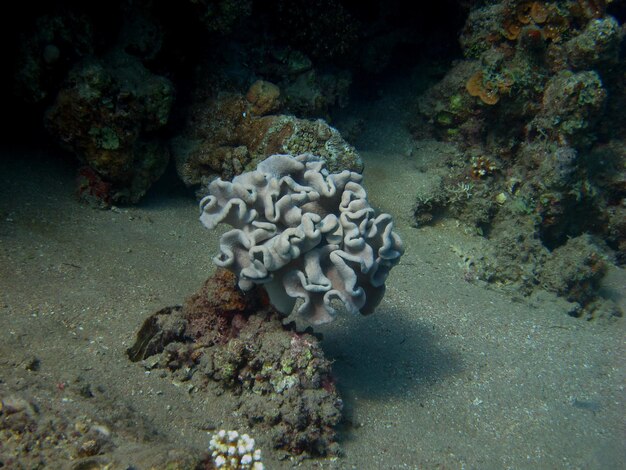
x=536 y=112
x=225 y=340
x=229 y=134
x=572 y=103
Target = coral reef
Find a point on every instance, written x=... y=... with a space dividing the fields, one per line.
x=312 y=93
x=297 y=56
x=572 y=104
x=534 y=99
x=557 y=196
x=226 y=340
x=529 y=113
x=105 y=114
x=596 y=46
x=264 y=97
x=448 y=110
x=514 y=50
x=229 y=134
x=575 y=269
x=47 y=52
x=303 y=233
x=307 y=90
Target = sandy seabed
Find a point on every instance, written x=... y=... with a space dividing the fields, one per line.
x=445 y=374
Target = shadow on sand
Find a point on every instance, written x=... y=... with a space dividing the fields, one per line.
x=387 y=356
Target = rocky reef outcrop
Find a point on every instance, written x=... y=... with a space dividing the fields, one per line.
x=230 y=133
x=106 y=113
x=222 y=339
x=527 y=113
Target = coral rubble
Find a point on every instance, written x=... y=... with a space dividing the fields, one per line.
x=43 y=430
x=32 y=436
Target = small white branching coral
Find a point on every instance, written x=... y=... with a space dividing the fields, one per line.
x=233 y=451
x=303 y=233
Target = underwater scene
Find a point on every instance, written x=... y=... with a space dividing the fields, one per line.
x=317 y=234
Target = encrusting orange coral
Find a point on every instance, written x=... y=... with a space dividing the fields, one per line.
x=523 y=13
x=511 y=30
x=486 y=91
x=538 y=12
